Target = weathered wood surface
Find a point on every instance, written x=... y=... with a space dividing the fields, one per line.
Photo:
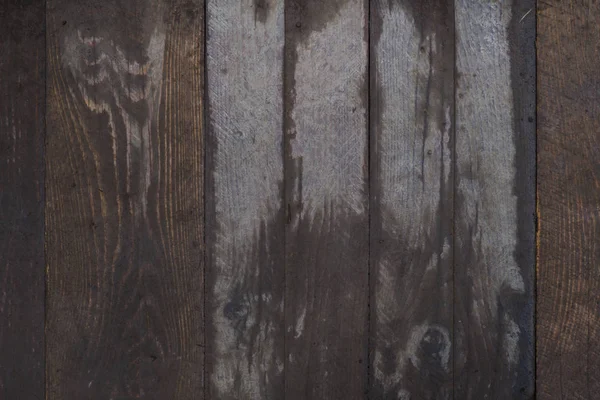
x=412 y=125
x=245 y=214
x=368 y=191
x=326 y=169
x=568 y=284
x=494 y=207
x=22 y=69
x=124 y=211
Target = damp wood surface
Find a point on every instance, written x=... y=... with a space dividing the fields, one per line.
x=494 y=158
x=296 y=199
x=411 y=198
x=245 y=213
x=124 y=190
x=326 y=198
x=22 y=103
x=568 y=279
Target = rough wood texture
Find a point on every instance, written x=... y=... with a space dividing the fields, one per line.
x=124 y=211
x=494 y=210
x=22 y=68
x=412 y=125
x=568 y=285
x=245 y=226
x=326 y=167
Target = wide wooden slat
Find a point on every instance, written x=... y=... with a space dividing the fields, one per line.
x=568 y=284
x=124 y=212
x=412 y=125
x=494 y=192
x=326 y=169
x=22 y=69
x=245 y=225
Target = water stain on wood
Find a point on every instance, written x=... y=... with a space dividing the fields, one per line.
x=245 y=213
x=261 y=10
x=494 y=261
x=325 y=195
x=412 y=136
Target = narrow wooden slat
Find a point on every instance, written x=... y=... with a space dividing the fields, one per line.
x=124 y=215
x=22 y=69
x=494 y=192
x=245 y=223
x=326 y=169
x=412 y=125
x=568 y=285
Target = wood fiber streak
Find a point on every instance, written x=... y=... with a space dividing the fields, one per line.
x=412 y=125
x=245 y=224
x=124 y=212
x=326 y=169
x=22 y=68
x=494 y=192
x=568 y=279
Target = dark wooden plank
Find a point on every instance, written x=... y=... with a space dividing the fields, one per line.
x=326 y=168
x=22 y=109
x=124 y=215
x=568 y=284
x=494 y=192
x=245 y=219
x=412 y=125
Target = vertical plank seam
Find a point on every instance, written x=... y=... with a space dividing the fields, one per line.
x=537 y=206
x=205 y=146
x=43 y=199
x=369 y=169
x=284 y=189
x=454 y=184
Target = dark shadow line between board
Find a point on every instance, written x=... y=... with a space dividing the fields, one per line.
x=283 y=187
x=369 y=234
x=43 y=200
x=454 y=185
x=204 y=142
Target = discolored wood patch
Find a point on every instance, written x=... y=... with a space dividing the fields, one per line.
x=412 y=139
x=245 y=212
x=326 y=168
x=494 y=207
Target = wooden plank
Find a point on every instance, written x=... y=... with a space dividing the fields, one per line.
x=245 y=223
x=22 y=94
x=124 y=213
x=412 y=125
x=568 y=284
x=494 y=192
x=326 y=168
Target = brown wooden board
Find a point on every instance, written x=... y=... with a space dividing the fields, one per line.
x=494 y=199
x=568 y=275
x=326 y=172
x=412 y=138
x=124 y=210
x=22 y=104
x=245 y=214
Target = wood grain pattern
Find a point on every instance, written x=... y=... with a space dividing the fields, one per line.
x=22 y=67
x=326 y=169
x=245 y=226
x=412 y=125
x=124 y=211
x=568 y=284
x=493 y=351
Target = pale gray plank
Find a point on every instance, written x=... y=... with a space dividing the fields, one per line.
x=412 y=114
x=494 y=209
x=326 y=183
x=245 y=215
